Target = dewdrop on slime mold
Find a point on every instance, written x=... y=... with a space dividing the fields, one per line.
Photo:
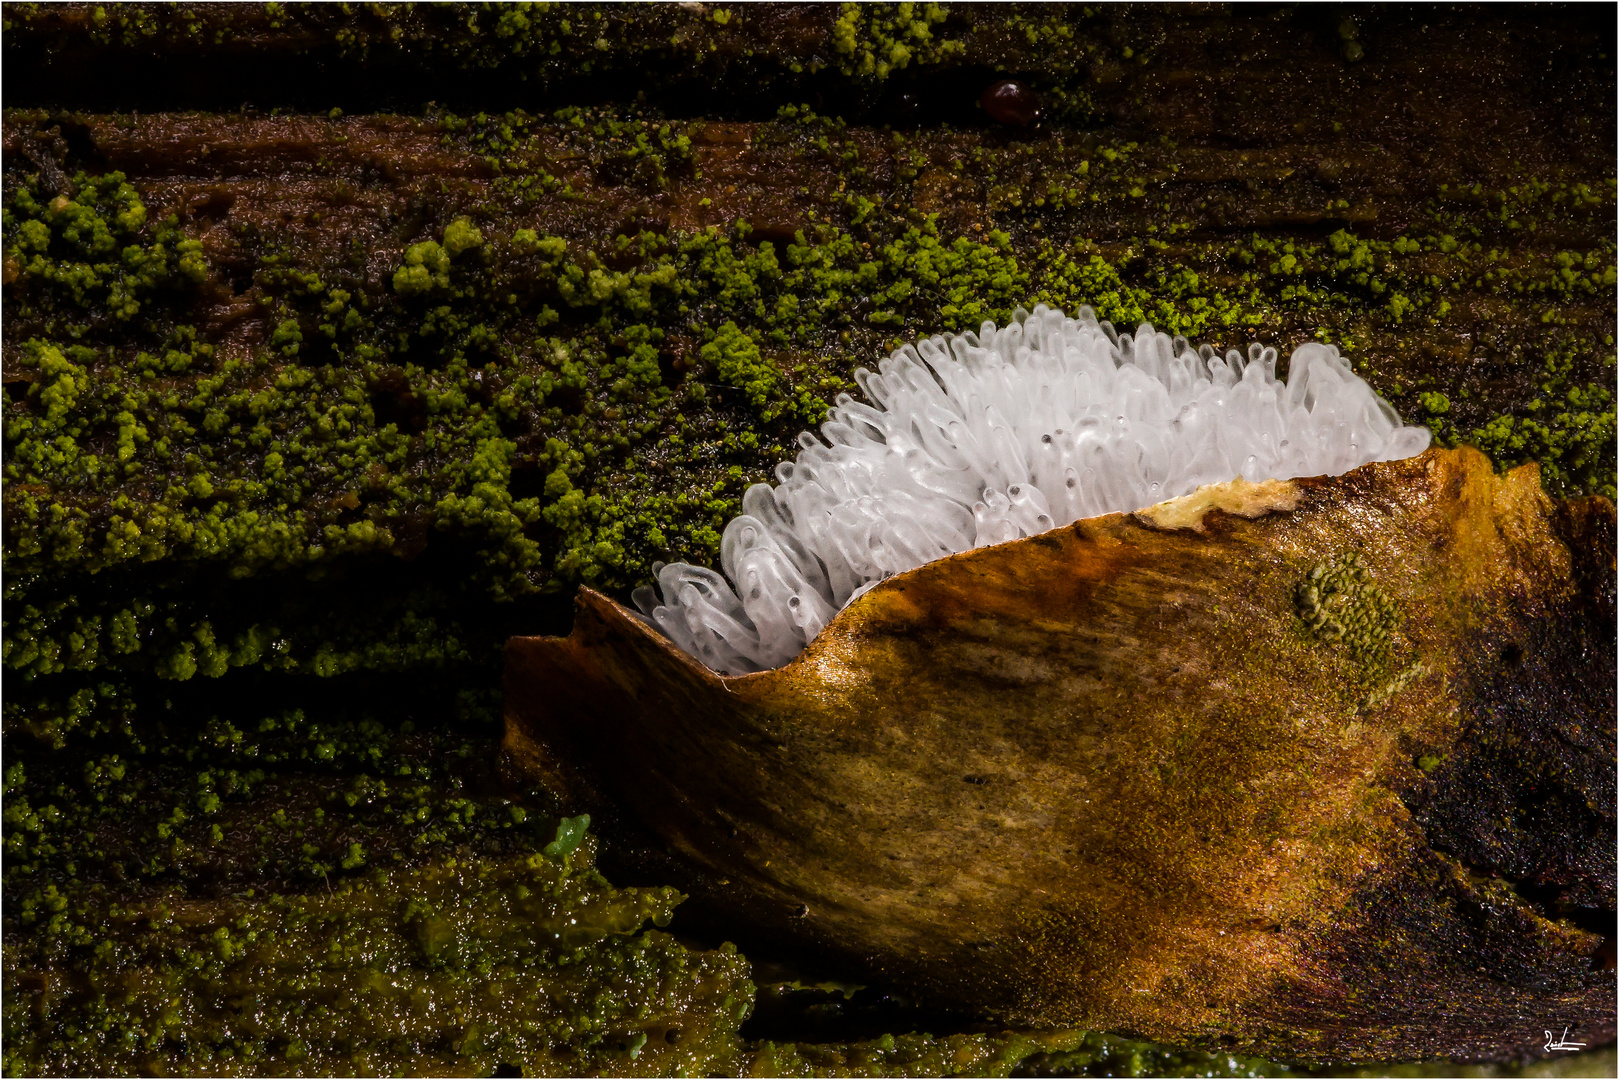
x=974 y=439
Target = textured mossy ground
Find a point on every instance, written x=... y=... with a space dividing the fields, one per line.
x=313 y=398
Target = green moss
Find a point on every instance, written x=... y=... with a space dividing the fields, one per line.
x=523 y=963
x=90 y=248
x=736 y=359
x=426 y=267
x=1568 y=428
x=460 y=235
x=874 y=40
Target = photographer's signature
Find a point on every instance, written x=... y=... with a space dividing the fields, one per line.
x=1562 y=1043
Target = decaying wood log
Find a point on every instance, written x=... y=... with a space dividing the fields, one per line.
x=1321 y=769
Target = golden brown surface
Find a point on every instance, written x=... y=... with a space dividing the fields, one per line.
x=1111 y=777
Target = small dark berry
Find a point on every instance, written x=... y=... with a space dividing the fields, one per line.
x=1010 y=102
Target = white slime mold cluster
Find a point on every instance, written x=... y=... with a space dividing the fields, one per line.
x=976 y=439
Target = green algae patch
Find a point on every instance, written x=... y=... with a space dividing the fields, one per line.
x=454 y=968
x=1338 y=602
x=461 y=235
x=1343 y=608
